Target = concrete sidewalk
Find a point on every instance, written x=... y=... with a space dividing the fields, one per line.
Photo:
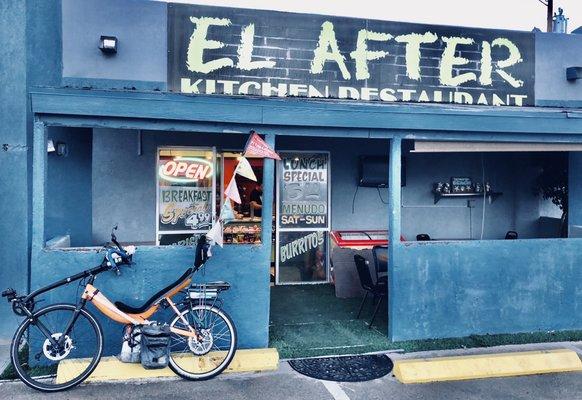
x=575 y=346
x=4 y=354
x=287 y=384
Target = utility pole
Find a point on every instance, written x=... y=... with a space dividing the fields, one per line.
x=550 y=15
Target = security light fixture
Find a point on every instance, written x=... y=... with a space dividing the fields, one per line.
x=62 y=149
x=573 y=73
x=108 y=44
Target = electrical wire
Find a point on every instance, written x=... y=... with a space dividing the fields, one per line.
x=380 y=195
x=354 y=199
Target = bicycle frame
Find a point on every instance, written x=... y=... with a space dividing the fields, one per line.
x=104 y=305
x=109 y=309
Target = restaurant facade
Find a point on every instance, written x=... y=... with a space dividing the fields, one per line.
x=135 y=113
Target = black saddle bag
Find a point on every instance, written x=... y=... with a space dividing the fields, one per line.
x=155 y=346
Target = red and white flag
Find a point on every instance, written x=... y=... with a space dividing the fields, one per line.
x=231 y=191
x=216 y=233
x=257 y=147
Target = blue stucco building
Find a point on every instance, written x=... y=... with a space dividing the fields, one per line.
x=114 y=111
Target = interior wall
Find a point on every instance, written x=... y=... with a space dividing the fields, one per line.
x=124 y=181
x=120 y=172
x=513 y=174
x=69 y=191
x=369 y=211
x=119 y=169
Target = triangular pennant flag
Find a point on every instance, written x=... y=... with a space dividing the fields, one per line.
x=231 y=191
x=257 y=147
x=215 y=233
x=244 y=169
x=226 y=213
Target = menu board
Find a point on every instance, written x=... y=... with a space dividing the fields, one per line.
x=185 y=179
x=303 y=190
x=185 y=208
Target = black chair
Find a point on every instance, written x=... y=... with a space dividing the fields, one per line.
x=380 y=254
x=378 y=290
x=511 y=235
x=422 y=237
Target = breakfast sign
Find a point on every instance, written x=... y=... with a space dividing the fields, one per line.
x=185 y=181
x=230 y=51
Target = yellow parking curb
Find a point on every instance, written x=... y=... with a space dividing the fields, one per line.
x=486 y=366
x=110 y=368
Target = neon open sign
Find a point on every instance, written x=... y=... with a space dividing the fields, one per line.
x=185 y=169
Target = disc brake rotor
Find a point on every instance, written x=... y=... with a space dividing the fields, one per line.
x=57 y=353
x=202 y=346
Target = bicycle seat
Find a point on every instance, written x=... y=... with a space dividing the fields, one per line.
x=138 y=310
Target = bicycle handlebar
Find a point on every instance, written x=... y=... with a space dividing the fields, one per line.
x=116 y=257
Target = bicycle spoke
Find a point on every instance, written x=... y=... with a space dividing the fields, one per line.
x=210 y=352
x=46 y=366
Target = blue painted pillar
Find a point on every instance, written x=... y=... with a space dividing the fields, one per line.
x=575 y=193
x=268 y=195
x=267 y=223
x=394 y=222
x=39 y=174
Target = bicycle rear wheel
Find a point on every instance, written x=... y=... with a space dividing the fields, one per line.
x=49 y=368
x=202 y=359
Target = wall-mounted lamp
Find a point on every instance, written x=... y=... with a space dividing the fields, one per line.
x=108 y=44
x=573 y=73
x=60 y=148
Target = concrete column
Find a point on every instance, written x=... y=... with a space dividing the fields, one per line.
x=268 y=195
x=39 y=177
x=267 y=225
x=394 y=221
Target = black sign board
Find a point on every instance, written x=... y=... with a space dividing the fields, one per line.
x=303 y=256
x=231 y=51
x=303 y=190
x=179 y=239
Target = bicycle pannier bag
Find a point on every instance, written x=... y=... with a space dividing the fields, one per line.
x=131 y=346
x=155 y=346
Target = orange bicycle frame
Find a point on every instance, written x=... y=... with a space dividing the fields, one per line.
x=103 y=304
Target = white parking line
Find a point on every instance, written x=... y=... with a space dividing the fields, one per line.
x=335 y=390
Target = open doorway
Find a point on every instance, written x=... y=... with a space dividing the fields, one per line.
x=324 y=216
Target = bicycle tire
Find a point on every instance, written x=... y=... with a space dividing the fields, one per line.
x=23 y=329
x=174 y=366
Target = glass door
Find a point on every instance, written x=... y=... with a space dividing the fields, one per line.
x=303 y=218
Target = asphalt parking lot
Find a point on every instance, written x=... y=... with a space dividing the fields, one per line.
x=287 y=384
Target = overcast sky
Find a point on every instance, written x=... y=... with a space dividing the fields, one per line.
x=504 y=14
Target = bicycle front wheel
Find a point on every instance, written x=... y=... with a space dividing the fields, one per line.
x=47 y=367
x=207 y=356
